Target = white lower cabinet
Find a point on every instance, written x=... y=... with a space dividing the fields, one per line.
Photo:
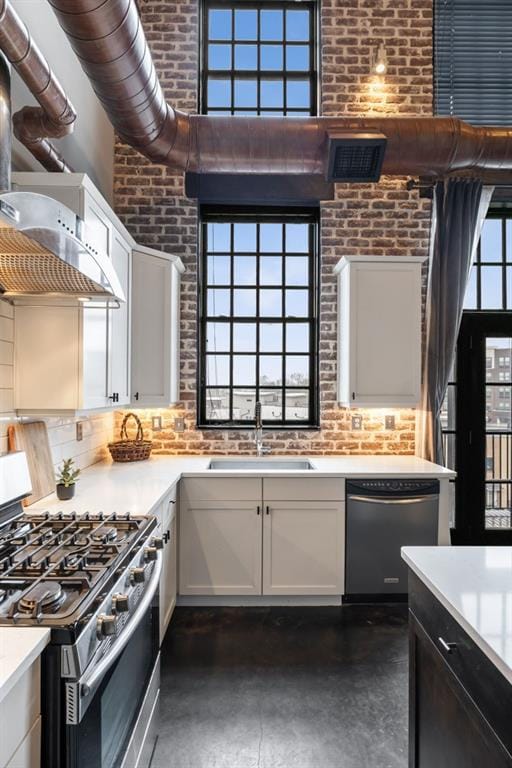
x=169 y=575
x=256 y=546
x=303 y=548
x=20 y=721
x=28 y=754
x=220 y=548
x=168 y=580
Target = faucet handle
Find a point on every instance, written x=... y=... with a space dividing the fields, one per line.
x=257 y=415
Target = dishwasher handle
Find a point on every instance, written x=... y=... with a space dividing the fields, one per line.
x=395 y=500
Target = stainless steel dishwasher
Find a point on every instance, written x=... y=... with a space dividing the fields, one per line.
x=382 y=517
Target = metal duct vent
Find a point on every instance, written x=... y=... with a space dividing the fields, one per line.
x=355 y=157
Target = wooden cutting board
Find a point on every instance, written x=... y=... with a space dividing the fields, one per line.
x=32 y=437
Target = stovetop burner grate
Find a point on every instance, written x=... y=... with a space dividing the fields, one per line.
x=50 y=563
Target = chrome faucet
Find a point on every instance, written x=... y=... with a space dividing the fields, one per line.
x=258 y=431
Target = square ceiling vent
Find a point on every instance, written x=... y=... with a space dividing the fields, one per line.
x=355 y=157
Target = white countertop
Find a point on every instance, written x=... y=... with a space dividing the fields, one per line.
x=475 y=585
x=19 y=648
x=138 y=487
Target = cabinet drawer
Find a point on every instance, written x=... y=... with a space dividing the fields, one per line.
x=28 y=754
x=490 y=691
x=220 y=489
x=18 y=712
x=303 y=489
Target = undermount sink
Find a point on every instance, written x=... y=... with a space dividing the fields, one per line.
x=257 y=463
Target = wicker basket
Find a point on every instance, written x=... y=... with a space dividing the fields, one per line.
x=131 y=450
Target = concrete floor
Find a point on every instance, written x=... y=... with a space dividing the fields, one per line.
x=284 y=688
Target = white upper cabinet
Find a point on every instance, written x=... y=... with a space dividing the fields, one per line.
x=69 y=357
x=60 y=358
x=379 y=331
x=155 y=328
x=120 y=325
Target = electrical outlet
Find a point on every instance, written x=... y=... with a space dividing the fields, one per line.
x=357 y=422
x=179 y=425
x=156 y=423
x=79 y=431
x=389 y=422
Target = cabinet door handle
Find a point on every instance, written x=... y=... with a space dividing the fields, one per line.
x=448 y=647
x=258 y=510
x=267 y=510
x=136 y=396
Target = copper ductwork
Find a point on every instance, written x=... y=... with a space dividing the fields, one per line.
x=109 y=40
x=55 y=116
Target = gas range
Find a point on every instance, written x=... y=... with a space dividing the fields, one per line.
x=53 y=566
x=93 y=579
x=83 y=576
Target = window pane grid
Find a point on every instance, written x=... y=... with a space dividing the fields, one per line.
x=490 y=282
x=256 y=67
x=266 y=353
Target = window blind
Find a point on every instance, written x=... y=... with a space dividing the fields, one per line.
x=473 y=60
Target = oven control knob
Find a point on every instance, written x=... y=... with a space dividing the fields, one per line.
x=120 y=603
x=137 y=575
x=106 y=625
x=157 y=542
x=150 y=554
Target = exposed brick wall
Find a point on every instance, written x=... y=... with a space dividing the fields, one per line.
x=367 y=219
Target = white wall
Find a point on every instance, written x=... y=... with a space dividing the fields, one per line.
x=97 y=428
x=90 y=149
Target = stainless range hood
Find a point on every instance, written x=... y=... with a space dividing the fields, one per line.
x=44 y=251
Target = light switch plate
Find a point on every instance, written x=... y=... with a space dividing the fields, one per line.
x=179 y=425
x=389 y=422
x=357 y=422
x=79 y=431
x=156 y=423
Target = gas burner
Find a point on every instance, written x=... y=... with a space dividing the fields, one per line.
x=41 y=597
x=104 y=535
x=74 y=562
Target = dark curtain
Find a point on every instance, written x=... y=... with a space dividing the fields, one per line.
x=459 y=208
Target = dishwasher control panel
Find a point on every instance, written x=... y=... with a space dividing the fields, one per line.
x=393 y=487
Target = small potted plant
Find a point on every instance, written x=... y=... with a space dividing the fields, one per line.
x=66 y=480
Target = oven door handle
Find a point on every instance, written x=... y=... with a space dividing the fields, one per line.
x=89 y=682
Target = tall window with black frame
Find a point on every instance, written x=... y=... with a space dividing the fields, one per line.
x=258 y=318
x=259 y=58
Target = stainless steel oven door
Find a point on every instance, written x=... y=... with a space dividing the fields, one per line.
x=111 y=710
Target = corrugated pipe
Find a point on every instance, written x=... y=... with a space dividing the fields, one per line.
x=55 y=116
x=108 y=38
